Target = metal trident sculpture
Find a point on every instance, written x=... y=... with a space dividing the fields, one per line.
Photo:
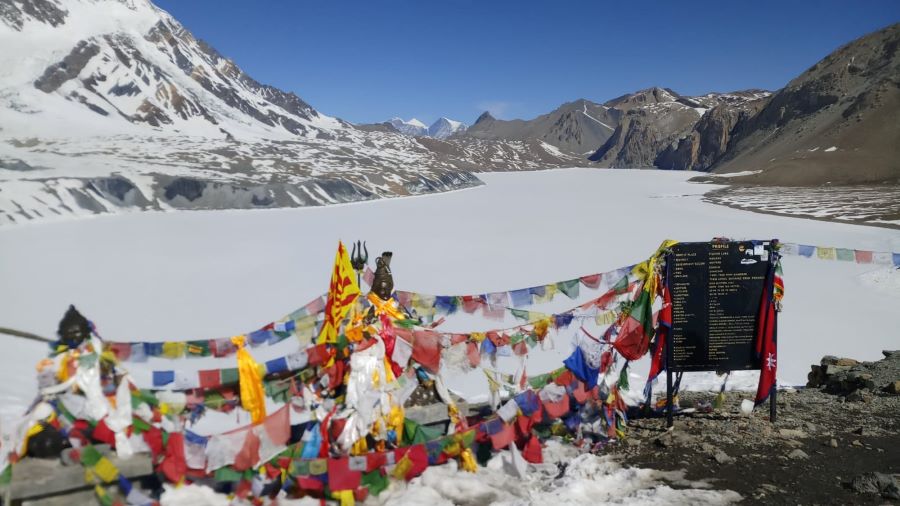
x=359 y=257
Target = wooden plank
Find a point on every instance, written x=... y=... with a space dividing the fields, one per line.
x=41 y=478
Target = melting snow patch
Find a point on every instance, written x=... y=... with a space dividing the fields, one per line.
x=567 y=477
x=832 y=148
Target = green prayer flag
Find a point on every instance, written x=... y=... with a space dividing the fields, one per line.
x=213 y=400
x=228 y=473
x=6 y=475
x=623 y=377
x=198 y=349
x=622 y=285
x=847 y=255
x=90 y=456
x=539 y=381
x=139 y=425
x=301 y=467
x=521 y=314
x=278 y=391
x=375 y=481
x=571 y=287
x=229 y=376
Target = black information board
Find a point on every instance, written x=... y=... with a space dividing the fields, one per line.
x=716 y=291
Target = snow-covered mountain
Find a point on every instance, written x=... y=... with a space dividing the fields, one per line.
x=444 y=127
x=112 y=105
x=411 y=127
x=440 y=129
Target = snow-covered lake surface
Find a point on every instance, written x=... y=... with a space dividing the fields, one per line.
x=199 y=275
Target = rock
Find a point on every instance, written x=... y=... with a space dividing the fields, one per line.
x=816 y=377
x=798 y=454
x=833 y=443
x=861 y=431
x=855 y=396
x=723 y=458
x=893 y=388
x=856 y=442
x=831 y=370
x=876 y=483
x=792 y=433
x=828 y=361
x=890 y=353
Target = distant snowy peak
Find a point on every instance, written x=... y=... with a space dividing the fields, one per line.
x=440 y=129
x=411 y=127
x=443 y=128
x=127 y=61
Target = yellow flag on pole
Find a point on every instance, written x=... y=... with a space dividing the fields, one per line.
x=342 y=292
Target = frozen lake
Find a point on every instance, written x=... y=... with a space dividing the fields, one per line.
x=199 y=275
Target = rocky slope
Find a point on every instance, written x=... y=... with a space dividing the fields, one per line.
x=836 y=122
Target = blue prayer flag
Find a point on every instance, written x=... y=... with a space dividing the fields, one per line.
x=520 y=297
x=806 y=251
x=276 y=365
x=163 y=378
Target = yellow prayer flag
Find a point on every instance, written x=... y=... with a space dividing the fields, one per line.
x=250 y=381
x=646 y=270
x=106 y=470
x=826 y=253
x=342 y=292
x=174 y=349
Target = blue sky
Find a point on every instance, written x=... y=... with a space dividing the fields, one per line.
x=369 y=60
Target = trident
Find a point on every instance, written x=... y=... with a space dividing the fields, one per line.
x=358 y=259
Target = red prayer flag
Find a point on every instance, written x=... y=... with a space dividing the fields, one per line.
x=592 y=281
x=248 y=456
x=104 y=434
x=863 y=257
x=174 y=464
x=340 y=477
x=153 y=438
x=580 y=392
x=532 y=451
x=504 y=437
x=766 y=341
x=210 y=378
x=427 y=349
x=635 y=332
x=473 y=354
x=278 y=426
x=524 y=424
x=557 y=409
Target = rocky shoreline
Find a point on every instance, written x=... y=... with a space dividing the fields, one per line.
x=835 y=442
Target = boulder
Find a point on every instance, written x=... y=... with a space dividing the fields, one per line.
x=893 y=387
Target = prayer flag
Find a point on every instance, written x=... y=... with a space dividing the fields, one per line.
x=845 y=255
x=806 y=250
x=342 y=292
x=863 y=257
x=570 y=287
x=163 y=378
x=826 y=253
x=881 y=258
x=635 y=332
x=766 y=340
x=592 y=281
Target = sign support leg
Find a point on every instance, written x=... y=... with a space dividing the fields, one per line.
x=772 y=408
x=669 y=409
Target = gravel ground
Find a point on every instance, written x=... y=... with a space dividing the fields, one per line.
x=819 y=450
